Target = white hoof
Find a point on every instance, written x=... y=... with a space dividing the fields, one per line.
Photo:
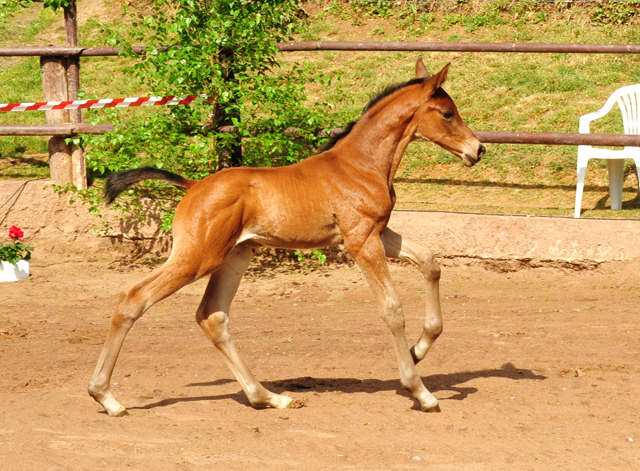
x=119 y=412
x=113 y=407
x=281 y=402
x=428 y=403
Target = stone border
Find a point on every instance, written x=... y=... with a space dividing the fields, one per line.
x=565 y=241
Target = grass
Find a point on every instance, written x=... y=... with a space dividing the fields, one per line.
x=494 y=92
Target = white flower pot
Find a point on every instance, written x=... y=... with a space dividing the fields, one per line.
x=14 y=272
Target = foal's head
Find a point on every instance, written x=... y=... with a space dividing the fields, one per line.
x=438 y=119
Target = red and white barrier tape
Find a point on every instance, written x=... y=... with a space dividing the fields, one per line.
x=104 y=103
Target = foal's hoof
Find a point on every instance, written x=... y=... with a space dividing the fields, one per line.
x=274 y=400
x=435 y=408
x=119 y=413
x=111 y=406
x=429 y=403
x=281 y=402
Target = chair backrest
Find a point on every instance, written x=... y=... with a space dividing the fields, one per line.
x=628 y=100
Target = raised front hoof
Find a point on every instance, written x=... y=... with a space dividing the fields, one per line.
x=416 y=360
x=417 y=354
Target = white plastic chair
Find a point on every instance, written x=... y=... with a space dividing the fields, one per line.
x=628 y=99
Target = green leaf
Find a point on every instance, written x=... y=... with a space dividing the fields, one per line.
x=56 y=4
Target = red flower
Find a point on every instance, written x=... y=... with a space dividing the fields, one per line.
x=15 y=233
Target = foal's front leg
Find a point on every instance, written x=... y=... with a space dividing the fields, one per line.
x=370 y=255
x=396 y=247
x=213 y=317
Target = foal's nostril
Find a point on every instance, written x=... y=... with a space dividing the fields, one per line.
x=481 y=151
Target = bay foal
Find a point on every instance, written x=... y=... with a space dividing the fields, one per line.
x=342 y=196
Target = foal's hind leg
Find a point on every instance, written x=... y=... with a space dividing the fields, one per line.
x=213 y=317
x=396 y=247
x=133 y=302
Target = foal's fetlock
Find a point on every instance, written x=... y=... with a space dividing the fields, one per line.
x=95 y=392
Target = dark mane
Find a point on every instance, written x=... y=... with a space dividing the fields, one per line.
x=335 y=138
x=374 y=100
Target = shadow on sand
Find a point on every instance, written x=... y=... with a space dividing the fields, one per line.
x=444 y=382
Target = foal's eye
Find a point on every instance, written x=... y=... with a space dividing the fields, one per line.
x=447 y=115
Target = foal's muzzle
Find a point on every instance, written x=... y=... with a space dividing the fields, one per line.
x=470 y=160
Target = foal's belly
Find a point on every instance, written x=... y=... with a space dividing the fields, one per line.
x=293 y=238
x=293 y=228
x=275 y=242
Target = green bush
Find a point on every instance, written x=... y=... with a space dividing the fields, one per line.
x=226 y=51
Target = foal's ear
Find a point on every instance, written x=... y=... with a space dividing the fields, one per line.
x=421 y=70
x=430 y=86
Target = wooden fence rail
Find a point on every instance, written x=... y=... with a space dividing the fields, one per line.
x=63 y=129
x=487 y=137
x=462 y=47
x=355 y=46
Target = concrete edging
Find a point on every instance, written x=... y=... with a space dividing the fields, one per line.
x=565 y=240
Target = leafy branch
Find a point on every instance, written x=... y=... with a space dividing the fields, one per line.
x=56 y=4
x=227 y=51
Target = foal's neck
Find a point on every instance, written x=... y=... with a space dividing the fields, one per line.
x=382 y=134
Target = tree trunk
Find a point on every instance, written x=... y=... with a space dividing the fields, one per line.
x=228 y=155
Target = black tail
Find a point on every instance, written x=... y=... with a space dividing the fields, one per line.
x=121 y=181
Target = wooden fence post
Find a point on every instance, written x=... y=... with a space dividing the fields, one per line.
x=78 y=161
x=61 y=82
x=55 y=88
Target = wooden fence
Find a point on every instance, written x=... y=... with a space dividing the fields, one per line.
x=60 y=69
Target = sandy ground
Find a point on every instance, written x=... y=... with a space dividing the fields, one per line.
x=536 y=370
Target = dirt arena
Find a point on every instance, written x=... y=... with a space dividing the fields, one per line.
x=537 y=369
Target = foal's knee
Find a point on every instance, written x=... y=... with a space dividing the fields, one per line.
x=393 y=315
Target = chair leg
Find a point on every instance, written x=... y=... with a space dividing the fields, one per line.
x=616 y=179
x=579 y=188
